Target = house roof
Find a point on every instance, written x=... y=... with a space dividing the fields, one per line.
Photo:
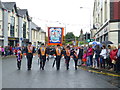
x=24 y=12
x=35 y=27
x=9 y=5
x=1 y=5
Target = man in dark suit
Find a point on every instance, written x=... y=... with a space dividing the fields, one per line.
x=67 y=56
x=42 y=53
x=58 y=54
x=30 y=50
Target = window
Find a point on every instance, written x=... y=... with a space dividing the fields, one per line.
x=24 y=30
x=101 y=17
x=105 y=11
x=12 y=26
x=98 y=18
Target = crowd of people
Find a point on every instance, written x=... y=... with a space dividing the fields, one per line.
x=9 y=50
x=105 y=57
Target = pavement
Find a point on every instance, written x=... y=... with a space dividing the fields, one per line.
x=51 y=78
x=100 y=71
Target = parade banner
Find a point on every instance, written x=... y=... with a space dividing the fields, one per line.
x=55 y=35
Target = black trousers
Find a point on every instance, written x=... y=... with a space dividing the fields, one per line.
x=67 y=58
x=58 y=62
x=102 y=65
x=42 y=62
x=75 y=61
x=19 y=64
x=118 y=65
x=2 y=53
x=29 y=60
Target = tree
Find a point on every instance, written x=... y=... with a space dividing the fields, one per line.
x=69 y=37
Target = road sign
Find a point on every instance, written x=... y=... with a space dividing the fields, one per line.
x=21 y=39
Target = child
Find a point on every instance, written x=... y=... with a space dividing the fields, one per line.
x=84 y=58
x=19 y=58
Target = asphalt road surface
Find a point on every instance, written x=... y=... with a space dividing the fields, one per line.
x=50 y=77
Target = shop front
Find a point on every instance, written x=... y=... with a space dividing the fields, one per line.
x=13 y=41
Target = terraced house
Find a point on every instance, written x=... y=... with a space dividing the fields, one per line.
x=38 y=35
x=15 y=25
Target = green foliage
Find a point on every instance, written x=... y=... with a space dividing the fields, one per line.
x=69 y=37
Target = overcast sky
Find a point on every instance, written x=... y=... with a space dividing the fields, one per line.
x=59 y=13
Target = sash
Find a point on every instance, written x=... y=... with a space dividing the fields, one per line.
x=76 y=55
x=58 y=51
x=42 y=51
x=67 y=52
x=30 y=49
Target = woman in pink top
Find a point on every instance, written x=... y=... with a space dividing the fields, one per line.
x=90 y=56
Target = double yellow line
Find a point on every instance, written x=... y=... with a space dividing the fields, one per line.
x=109 y=74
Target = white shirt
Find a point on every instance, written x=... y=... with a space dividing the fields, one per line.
x=104 y=53
x=77 y=51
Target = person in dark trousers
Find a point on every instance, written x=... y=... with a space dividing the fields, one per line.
x=109 y=61
x=67 y=55
x=75 y=57
x=80 y=54
x=47 y=52
x=30 y=50
x=103 y=56
x=97 y=52
x=42 y=53
x=58 y=54
x=19 y=58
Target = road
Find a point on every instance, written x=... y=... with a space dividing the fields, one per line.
x=50 y=77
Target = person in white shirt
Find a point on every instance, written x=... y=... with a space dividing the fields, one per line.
x=103 y=56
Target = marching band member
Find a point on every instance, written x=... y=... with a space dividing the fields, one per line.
x=42 y=54
x=67 y=56
x=30 y=50
x=75 y=57
x=58 y=54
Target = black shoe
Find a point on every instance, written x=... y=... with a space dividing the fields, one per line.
x=18 y=68
x=29 y=68
x=42 y=68
x=67 y=68
x=57 y=69
x=76 y=68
